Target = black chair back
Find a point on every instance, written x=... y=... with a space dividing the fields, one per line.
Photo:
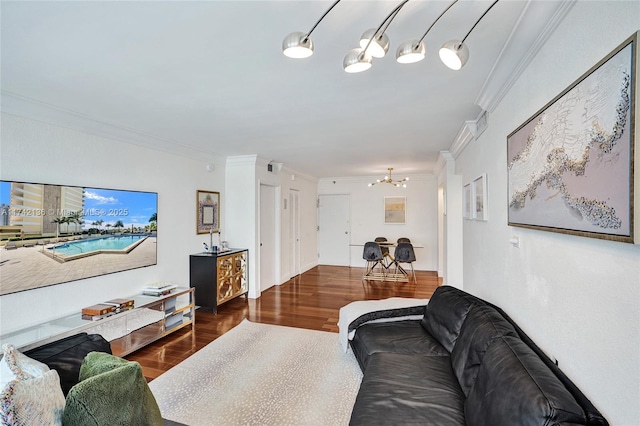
x=404 y=253
x=403 y=240
x=372 y=251
x=385 y=250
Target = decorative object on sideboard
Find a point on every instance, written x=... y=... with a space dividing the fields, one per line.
x=106 y=309
x=207 y=211
x=159 y=289
x=121 y=304
x=570 y=166
x=98 y=312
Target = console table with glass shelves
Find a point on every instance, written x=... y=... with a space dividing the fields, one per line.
x=151 y=318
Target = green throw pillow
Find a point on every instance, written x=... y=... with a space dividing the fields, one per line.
x=111 y=391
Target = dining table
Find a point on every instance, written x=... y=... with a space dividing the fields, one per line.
x=393 y=271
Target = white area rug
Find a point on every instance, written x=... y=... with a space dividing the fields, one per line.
x=258 y=374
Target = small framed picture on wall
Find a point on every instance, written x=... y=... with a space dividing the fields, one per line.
x=480 y=197
x=207 y=212
x=467 y=205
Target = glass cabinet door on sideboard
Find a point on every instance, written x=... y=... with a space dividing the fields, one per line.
x=218 y=277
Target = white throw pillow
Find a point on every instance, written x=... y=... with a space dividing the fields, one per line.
x=36 y=401
x=15 y=365
x=30 y=392
x=6 y=375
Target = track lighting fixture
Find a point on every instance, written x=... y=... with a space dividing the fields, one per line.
x=378 y=44
x=414 y=50
x=299 y=45
x=455 y=53
x=356 y=61
x=374 y=43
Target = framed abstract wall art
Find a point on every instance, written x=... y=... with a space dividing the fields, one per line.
x=570 y=166
x=207 y=212
x=395 y=209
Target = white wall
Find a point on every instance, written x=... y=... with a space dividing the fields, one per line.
x=367 y=215
x=33 y=151
x=577 y=297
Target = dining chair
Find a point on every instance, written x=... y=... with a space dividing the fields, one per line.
x=405 y=254
x=372 y=253
x=403 y=240
x=382 y=240
x=387 y=259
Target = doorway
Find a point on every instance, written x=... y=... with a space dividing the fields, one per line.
x=294 y=232
x=334 y=229
x=267 y=237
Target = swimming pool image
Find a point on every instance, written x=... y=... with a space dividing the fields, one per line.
x=116 y=244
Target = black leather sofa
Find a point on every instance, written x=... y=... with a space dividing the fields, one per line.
x=464 y=363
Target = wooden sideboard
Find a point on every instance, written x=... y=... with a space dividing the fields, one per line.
x=218 y=277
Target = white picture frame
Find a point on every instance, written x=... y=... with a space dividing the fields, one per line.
x=467 y=202
x=479 y=197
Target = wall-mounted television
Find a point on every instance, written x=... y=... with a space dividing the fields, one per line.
x=52 y=234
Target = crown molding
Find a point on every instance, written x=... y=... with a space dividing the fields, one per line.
x=243 y=160
x=463 y=138
x=298 y=175
x=534 y=26
x=262 y=162
x=440 y=163
x=445 y=160
x=368 y=179
x=12 y=103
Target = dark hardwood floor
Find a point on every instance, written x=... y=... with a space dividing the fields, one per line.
x=311 y=300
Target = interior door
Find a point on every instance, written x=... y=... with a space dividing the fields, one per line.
x=333 y=229
x=267 y=236
x=294 y=231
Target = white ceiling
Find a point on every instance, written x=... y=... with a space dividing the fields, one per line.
x=208 y=77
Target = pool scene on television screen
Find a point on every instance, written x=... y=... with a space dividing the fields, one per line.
x=50 y=234
x=115 y=244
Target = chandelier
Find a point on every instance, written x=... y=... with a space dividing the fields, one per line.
x=374 y=43
x=388 y=179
